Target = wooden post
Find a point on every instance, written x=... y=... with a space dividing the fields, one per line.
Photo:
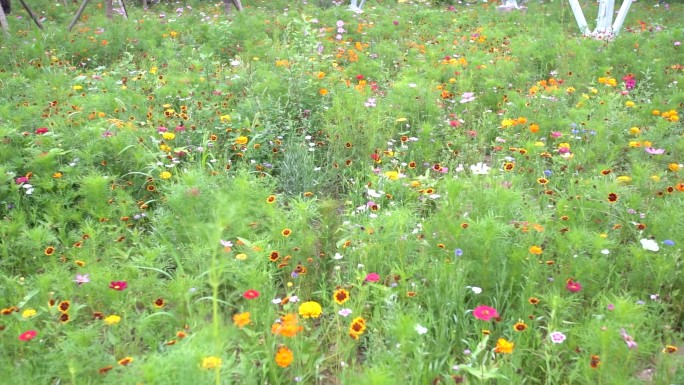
x=33 y=16
x=109 y=8
x=78 y=15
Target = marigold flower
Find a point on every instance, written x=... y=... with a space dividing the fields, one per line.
x=165 y=175
x=503 y=346
x=125 y=361
x=241 y=319
x=241 y=140
x=28 y=313
x=112 y=319
x=287 y=326
x=284 y=357
x=211 y=362
x=536 y=250
x=310 y=309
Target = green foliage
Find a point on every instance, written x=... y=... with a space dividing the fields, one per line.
x=423 y=161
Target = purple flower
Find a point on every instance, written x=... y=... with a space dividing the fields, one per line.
x=458 y=252
x=654 y=151
x=668 y=242
x=610 y=307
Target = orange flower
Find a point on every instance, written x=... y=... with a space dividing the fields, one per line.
x=536 y=250
x=284 y=357
x=323 y=92
x=241 y=319
x=287 y=326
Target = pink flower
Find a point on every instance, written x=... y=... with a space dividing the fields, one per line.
x=118 y=285
x=372 y=277
x=485 y=313
x=654 y=151
x=22 y=179
x=251 y=294
x=573 y=286
x=28 y=335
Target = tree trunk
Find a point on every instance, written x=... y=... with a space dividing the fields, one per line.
x=109 y=8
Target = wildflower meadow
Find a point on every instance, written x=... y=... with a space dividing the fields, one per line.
x=411 y=193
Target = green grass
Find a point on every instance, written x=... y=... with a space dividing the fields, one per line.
x=201 y=157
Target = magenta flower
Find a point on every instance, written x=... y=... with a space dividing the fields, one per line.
x=485 y=313
x=372 y=277
x=118 y=285
x=251 y=294
x=573 y=286
x=28 y=335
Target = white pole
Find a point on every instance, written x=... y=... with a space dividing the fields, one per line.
x=579 y=16
x=622 y=14
x=605 y=17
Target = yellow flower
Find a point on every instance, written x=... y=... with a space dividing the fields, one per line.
x=310 y=309
x=624 y=179
x=504 y=347
x=241 y=257
x=241 y=140
x=225 y=118
x=77 y=88
x=153 y=70
x=169 y=135
x=165 y=175
x=635 y=131
x=165 y=148
x=392 y=175
x=655 y=178
x=508 y=123
x=28 y=313
x=629 y=104
x=211 y=362
x=536 y=250
x=673 y=167
x=112 y=319
x=57 y=175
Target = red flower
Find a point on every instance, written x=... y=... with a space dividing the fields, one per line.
x=41 y=131
x=485 y=313
x=251 y=294
x=573 y=286
x=118 y=285
x=28 y=335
